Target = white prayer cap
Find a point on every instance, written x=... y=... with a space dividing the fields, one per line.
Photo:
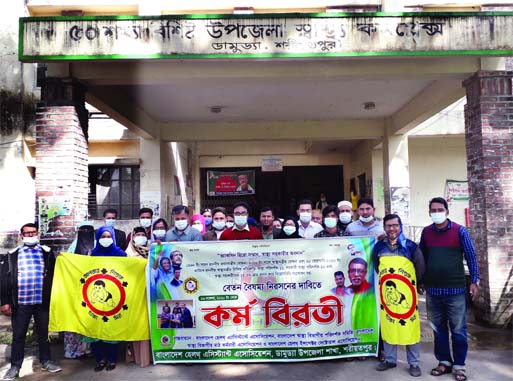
x=345 y=203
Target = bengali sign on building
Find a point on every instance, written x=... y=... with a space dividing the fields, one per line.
x=279 y=300
x=221 y=183
x=272 y=35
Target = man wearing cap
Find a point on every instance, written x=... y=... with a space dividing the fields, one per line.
x=345 y=214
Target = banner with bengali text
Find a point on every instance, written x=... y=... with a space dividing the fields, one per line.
x=276 y=300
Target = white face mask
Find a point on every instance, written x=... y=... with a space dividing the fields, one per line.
x=366 y=219
x=218 y=225
x=330 y=222
x=145 y=222
x=289 y=230
x=198 y=227
x=105 y=242
x=241 y=220
x=345 y=217
x=181 y=224
x=229 y=224
x=140 y=241
x=159 y=233
x=31 y=241
x=438 y=218
x=305 y=217
x=110 y=222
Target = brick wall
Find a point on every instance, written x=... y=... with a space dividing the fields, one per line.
x=489 y=144
x=62 y=157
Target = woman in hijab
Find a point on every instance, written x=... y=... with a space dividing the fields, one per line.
x=289 y=228
x=105 y=352
x=138 y=351
x=74 y=346
x=139 y=245
x=198 y=223
x=159 y=230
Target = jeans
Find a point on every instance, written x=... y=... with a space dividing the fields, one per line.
x=103 y=351
x=444 y=313
x=20 y=323
x=412 y=353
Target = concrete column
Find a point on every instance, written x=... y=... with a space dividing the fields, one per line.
x=151 y=176
x=61 y=161
x=396 y=176
x=489 y=144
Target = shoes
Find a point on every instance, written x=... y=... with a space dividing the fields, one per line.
x=415 y=371
x=385 y=366
x=11 y=374
x=110 y=367
x=99 y=367
x=51 y=367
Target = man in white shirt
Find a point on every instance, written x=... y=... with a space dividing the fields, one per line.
x=307 y=228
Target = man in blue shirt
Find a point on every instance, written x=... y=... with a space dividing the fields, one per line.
x=26 y=283
x=182 y=231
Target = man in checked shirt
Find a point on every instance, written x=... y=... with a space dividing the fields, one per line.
x=26 y=282
x=445 y=245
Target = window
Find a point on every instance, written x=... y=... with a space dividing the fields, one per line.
x=114 y=186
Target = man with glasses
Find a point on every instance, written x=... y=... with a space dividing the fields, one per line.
x=357 y=270
x=26 y=282
x=241 y=229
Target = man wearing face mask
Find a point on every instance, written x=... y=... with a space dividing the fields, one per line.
x=241 y=229
x=445 y=244
x=145 y=220
x=330 y=219
x=366 y=225
x=26 y=282
x=307 y=228
x=110 y=216
x=345 y=216
x=218 y=225
x=182 y=231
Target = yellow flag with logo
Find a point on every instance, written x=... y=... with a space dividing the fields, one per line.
x=100 y=297
x=399 y=315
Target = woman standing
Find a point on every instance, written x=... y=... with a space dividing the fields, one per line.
x=176 y=318
x=289 y=229
x=105 y=351
x=139 y=351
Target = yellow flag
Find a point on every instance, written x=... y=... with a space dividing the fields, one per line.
x=100 y=297
x=399 y=316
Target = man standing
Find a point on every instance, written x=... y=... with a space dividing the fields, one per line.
x=345 y=215
x=241 y=229
x=186 y=317
x=445 y=245
x=398 y=261
x=266 y=223
x=145 y=220
x=366 y=225
x=182 y=231
x=26 y=276
x=110 y=216
x=307 y=228
x=218 y=225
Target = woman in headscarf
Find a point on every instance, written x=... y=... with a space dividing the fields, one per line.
x=138 y=351
x=198 y=223
x=159 y=230
x=289 y=229
x=74 y=345
x=105 y=352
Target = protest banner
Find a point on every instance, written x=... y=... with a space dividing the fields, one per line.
x=100 y=297
x=279 y=300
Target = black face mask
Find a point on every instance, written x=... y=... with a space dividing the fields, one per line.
x=85 y=240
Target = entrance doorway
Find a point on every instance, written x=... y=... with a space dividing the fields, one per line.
x=281 y=190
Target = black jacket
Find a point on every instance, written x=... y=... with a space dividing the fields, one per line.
x=9 y=277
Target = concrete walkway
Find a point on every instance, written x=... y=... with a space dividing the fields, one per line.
x=490 y=358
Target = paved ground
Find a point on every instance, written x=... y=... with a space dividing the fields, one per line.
x=490 y=358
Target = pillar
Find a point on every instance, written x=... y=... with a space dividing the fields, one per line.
x=489 y=145
x=396 y=176
x=151 y=171
x=61 y=161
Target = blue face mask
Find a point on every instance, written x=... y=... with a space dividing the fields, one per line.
x=208 y=220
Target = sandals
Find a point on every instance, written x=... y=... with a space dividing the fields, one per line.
x=441 y=369
x=459 y=375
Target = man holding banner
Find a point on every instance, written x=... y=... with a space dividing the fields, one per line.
x=399 y=263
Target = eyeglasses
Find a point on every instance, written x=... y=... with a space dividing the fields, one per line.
x=357 y=271
x=389 y=226
x=29 y=233
x=240 y=213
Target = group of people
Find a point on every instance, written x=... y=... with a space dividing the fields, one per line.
x=179 y=317
x=27 y=271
